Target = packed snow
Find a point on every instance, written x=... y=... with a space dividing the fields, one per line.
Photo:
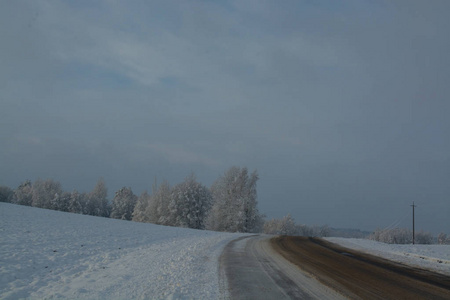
x=431 y=257
x=51 y=254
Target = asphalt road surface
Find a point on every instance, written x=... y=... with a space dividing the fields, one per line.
x=309 y=268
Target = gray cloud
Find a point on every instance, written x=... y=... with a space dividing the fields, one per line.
x=342 y=107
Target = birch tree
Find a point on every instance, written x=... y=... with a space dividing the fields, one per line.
x=235 y=206
x=139 y=212
x=45 y=193
x=158 y=208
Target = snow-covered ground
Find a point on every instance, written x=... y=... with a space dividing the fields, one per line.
x=50 y=254
x=432 y=257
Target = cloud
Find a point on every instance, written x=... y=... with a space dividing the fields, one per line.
x=179 y=155
x=333 y=102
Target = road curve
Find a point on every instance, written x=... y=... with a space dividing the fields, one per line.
x=358 y=275
x=259 y=267
x=251 y=269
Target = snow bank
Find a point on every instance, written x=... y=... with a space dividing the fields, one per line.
x=432 y=257
x=50 y=254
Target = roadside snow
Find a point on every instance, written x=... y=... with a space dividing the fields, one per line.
x=50 y=254
x=431 y=257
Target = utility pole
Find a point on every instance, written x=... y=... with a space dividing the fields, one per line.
x=413 y=221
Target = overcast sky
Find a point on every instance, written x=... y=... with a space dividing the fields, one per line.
x=343 y=107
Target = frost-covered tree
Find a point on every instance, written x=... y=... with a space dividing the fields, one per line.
x=97 y=203
x=46 y=193
x=77 y=202
x=6 y=194
x=123 y=204
x=443 y=239
x=324 y=231
x=401 y=236
x=423 y=237
x=189 y=204
x=283 y=226
x=23 y=195
x=139 y=212
x=304 y=230
x=154 y=208
x=287 y=225
x=157 y=211
x=234 y=202
x=61 y=201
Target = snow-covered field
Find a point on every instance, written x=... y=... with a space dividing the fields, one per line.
x=50 y=254
x=432 y=257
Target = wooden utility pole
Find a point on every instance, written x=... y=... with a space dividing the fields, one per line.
x=413 y=221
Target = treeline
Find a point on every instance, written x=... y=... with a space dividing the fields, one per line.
x=287 y=226
x=404 y=236
x=230 y=204
x=49 y=194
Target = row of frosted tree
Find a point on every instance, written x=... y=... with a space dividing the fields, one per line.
x=230 y=204
x=49 y=194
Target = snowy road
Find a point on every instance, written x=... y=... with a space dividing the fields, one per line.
x=260 y=267
x=255 y=271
